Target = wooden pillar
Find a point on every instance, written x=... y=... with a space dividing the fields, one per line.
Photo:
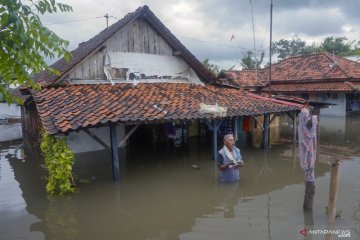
x=214 y=140
x=114 y=152
x=214 y=127
x=309 y=196
x=295 y=127
x=334 y=186
x=266 y=127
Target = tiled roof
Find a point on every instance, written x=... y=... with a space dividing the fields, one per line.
x=86 y=48
x=315 y=67
x=73 y=107
x=311 y=87
x=246 y=78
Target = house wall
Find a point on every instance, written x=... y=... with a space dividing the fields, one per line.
x=31 y=125
x=257 y=132
x=9 y=111
x=137 y=36
x=80 y=142
x=338 y=110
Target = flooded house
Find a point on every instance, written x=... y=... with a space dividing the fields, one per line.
x=135 y=83
x=320 y=78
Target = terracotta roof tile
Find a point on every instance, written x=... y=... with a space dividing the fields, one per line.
x=311 y=87
x=63 y=109
x=246 y=78
x=304 y=68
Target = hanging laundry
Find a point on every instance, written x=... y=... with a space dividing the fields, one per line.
x=246 y=124
x=307 y=143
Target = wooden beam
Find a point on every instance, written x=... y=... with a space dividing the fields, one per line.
x=295 y=127
x=128 y=135
x=334 y=186
x=291 y=116
x=271 y=120
x=114 y=151
x=98 y=140
x=257 y=122
x=266 y=131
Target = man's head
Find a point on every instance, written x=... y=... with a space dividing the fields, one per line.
x=229 y=141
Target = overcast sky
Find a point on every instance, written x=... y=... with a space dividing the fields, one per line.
x=206 y=27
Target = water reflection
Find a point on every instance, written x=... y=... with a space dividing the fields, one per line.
x=161 y=196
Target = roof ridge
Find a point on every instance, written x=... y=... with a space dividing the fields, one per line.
x=330 y=56
x=93 y=44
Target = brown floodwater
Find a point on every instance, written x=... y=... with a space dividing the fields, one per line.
x=162 y=196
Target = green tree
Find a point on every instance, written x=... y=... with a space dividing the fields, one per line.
x=211 y=67
x=250 y=61
x=337 y=45
x=25 y=42
x=286 y=48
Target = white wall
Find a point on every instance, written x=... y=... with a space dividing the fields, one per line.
x=332 y=126
x=10 y=132
x=338 y=110
x=9 y=111
x=81 y=142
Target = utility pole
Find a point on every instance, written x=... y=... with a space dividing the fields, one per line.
x=107 y=19
x=270 y=47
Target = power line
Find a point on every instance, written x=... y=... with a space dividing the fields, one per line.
x=71 y=21
x=213 y=43
x=356 y=4
x=253 y=25
x=117 y=8
x=334 y=13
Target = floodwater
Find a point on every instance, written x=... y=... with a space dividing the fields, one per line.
x=162 y=196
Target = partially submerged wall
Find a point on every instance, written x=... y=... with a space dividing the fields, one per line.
x=339 y=99
x=9 y=111
x=80 y=142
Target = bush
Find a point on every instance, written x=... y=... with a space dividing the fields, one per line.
x=59 y=161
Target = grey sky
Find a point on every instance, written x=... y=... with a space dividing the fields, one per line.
x=206 y=27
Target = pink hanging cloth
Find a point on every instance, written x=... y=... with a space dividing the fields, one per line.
x=307 y=143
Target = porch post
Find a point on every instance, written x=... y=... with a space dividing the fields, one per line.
x=214 y=140
x=266 y=126
x=295 y=127
x=214 y=127
x=114 y=152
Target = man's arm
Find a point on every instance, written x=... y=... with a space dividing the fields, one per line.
x=221 y=164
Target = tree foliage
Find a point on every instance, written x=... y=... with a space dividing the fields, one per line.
x=337 y=45
x=211 y=67
x=340 y=46
x=286 y=48
x=25 y=42
x=250 y=61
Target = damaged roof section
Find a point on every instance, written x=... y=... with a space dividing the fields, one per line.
x=74 y=107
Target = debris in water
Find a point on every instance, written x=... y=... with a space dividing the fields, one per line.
x=195 y=166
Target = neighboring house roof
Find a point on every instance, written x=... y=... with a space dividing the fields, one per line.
x=246 y=78
x=86 y=48
x=320 y=72
x=315 y=67
x=73 y=107
x=311 y=87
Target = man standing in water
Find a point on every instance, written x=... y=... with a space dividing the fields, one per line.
x=229 y=160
